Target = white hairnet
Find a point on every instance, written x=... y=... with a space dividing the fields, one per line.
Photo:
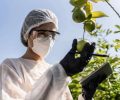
x=36 y=18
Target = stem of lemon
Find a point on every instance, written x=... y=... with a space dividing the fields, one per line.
x=83 y=32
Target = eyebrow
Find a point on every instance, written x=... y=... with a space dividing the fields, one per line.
x=48 y=31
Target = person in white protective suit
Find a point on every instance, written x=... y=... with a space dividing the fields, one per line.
x=30 y=77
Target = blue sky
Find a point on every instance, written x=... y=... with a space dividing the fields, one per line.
x=13 y=13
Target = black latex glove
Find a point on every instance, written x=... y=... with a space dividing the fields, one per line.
x=89 y=89
x=74 y=65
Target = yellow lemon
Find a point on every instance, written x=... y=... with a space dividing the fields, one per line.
x=80 y=45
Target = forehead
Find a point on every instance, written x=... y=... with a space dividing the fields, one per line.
x=47 y=26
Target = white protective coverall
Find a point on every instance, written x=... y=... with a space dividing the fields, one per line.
x=24 y=79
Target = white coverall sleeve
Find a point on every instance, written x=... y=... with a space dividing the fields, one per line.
x=80 y=97
x=9 y=84
x=50 y=86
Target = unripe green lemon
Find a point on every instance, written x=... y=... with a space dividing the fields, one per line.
x=79 y=3
x=80 y=45
x=78 y=15
x=89 y=25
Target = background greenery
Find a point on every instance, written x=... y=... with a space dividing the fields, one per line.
x=109 y=89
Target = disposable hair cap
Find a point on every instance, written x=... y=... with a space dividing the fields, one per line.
x=36 y=18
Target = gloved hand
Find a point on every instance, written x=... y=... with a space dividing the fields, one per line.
x=74 y=65
x=88 y=89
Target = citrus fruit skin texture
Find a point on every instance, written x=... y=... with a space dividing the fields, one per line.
x=80 y=45
x=78 y=15
x=79 y=3
x=89 y=25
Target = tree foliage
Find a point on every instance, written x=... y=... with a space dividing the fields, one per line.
x=109 y=89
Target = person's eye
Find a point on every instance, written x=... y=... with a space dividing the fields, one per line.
x=40 y=35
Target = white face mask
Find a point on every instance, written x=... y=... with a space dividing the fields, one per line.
x=42 y=46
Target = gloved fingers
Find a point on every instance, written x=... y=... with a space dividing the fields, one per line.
x=82 y=62
x=84 y=51
x=84 y=58
x=92 y=48
x=74 y=46
x=90 y=51
x=93 y=44
x=87 y=45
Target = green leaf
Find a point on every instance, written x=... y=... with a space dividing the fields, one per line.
x=101 y=88
x=96 y=1
x=108 y=31
x=117 y=46
x=113 y=60
x=98 y=26
x=117 y=26
x=117 y=32
x=88 y=8
x=89 y=17
x=117 y=40
x=98 y=14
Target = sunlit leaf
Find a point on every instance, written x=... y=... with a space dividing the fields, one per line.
x=98 y=14
x=117 y=26
x=88 y=8
x=96 y=1
x=117 y=32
